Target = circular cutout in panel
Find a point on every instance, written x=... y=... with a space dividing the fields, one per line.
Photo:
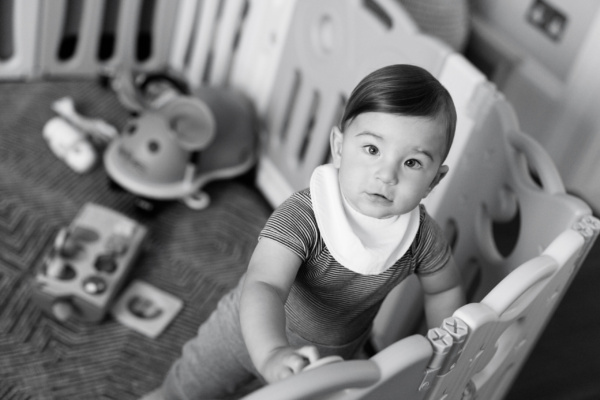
x=325 y=34
x=506 y=234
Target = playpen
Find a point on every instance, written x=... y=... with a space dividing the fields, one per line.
x=297 y=60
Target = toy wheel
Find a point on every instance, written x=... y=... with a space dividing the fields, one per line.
x=197 y=201
x=146 y=205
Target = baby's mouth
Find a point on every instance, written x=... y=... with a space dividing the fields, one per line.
x=378 y=197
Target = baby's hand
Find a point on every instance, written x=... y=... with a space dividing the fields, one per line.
x=286 y=361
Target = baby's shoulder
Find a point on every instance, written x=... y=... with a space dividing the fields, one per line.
x=299 y=200
x=429 y=232
x=303 y=195
x=297 y=207
x=425 y=220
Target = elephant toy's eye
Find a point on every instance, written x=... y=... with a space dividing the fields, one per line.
x=131 y=129
x=153 y=146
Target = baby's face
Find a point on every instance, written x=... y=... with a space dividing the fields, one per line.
x=388 y=163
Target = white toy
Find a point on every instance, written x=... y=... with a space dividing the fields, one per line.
x=97 y=130
x=72 y=137
x=70 y=145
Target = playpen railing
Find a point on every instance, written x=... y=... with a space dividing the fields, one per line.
x=82 y=38
x=74 y=38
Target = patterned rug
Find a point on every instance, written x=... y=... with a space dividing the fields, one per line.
x=195 y=255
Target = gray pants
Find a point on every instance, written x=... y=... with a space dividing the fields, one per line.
x=216 y=364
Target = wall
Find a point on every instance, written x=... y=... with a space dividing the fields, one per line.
x=542 y=54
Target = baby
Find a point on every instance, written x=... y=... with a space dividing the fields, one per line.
x=329 y=255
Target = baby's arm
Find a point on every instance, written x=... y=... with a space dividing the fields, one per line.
x=443 y=293
x=270 y=275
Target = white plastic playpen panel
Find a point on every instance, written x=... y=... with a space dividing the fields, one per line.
x=297 y=60
x=19 y=39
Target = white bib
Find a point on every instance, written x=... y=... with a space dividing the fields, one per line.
x=365 y=245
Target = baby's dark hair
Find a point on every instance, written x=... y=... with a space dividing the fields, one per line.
x=406 y=90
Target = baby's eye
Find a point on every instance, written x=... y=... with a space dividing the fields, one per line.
x=371 y=150
x=412 y=163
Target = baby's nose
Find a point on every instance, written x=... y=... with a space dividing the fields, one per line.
x=388 y=174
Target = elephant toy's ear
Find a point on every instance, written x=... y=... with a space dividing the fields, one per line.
x=191 y=122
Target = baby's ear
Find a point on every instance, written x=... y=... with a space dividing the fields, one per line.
x=442 y=172
x=336 y=140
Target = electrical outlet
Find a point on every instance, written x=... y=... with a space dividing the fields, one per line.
x=547 y=19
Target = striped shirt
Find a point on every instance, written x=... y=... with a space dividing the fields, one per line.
x=329 y=304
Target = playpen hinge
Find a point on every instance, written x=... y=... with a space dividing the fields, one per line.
x=458 y=330
x=441 y=341
x=587 y=226
x=448 y=342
